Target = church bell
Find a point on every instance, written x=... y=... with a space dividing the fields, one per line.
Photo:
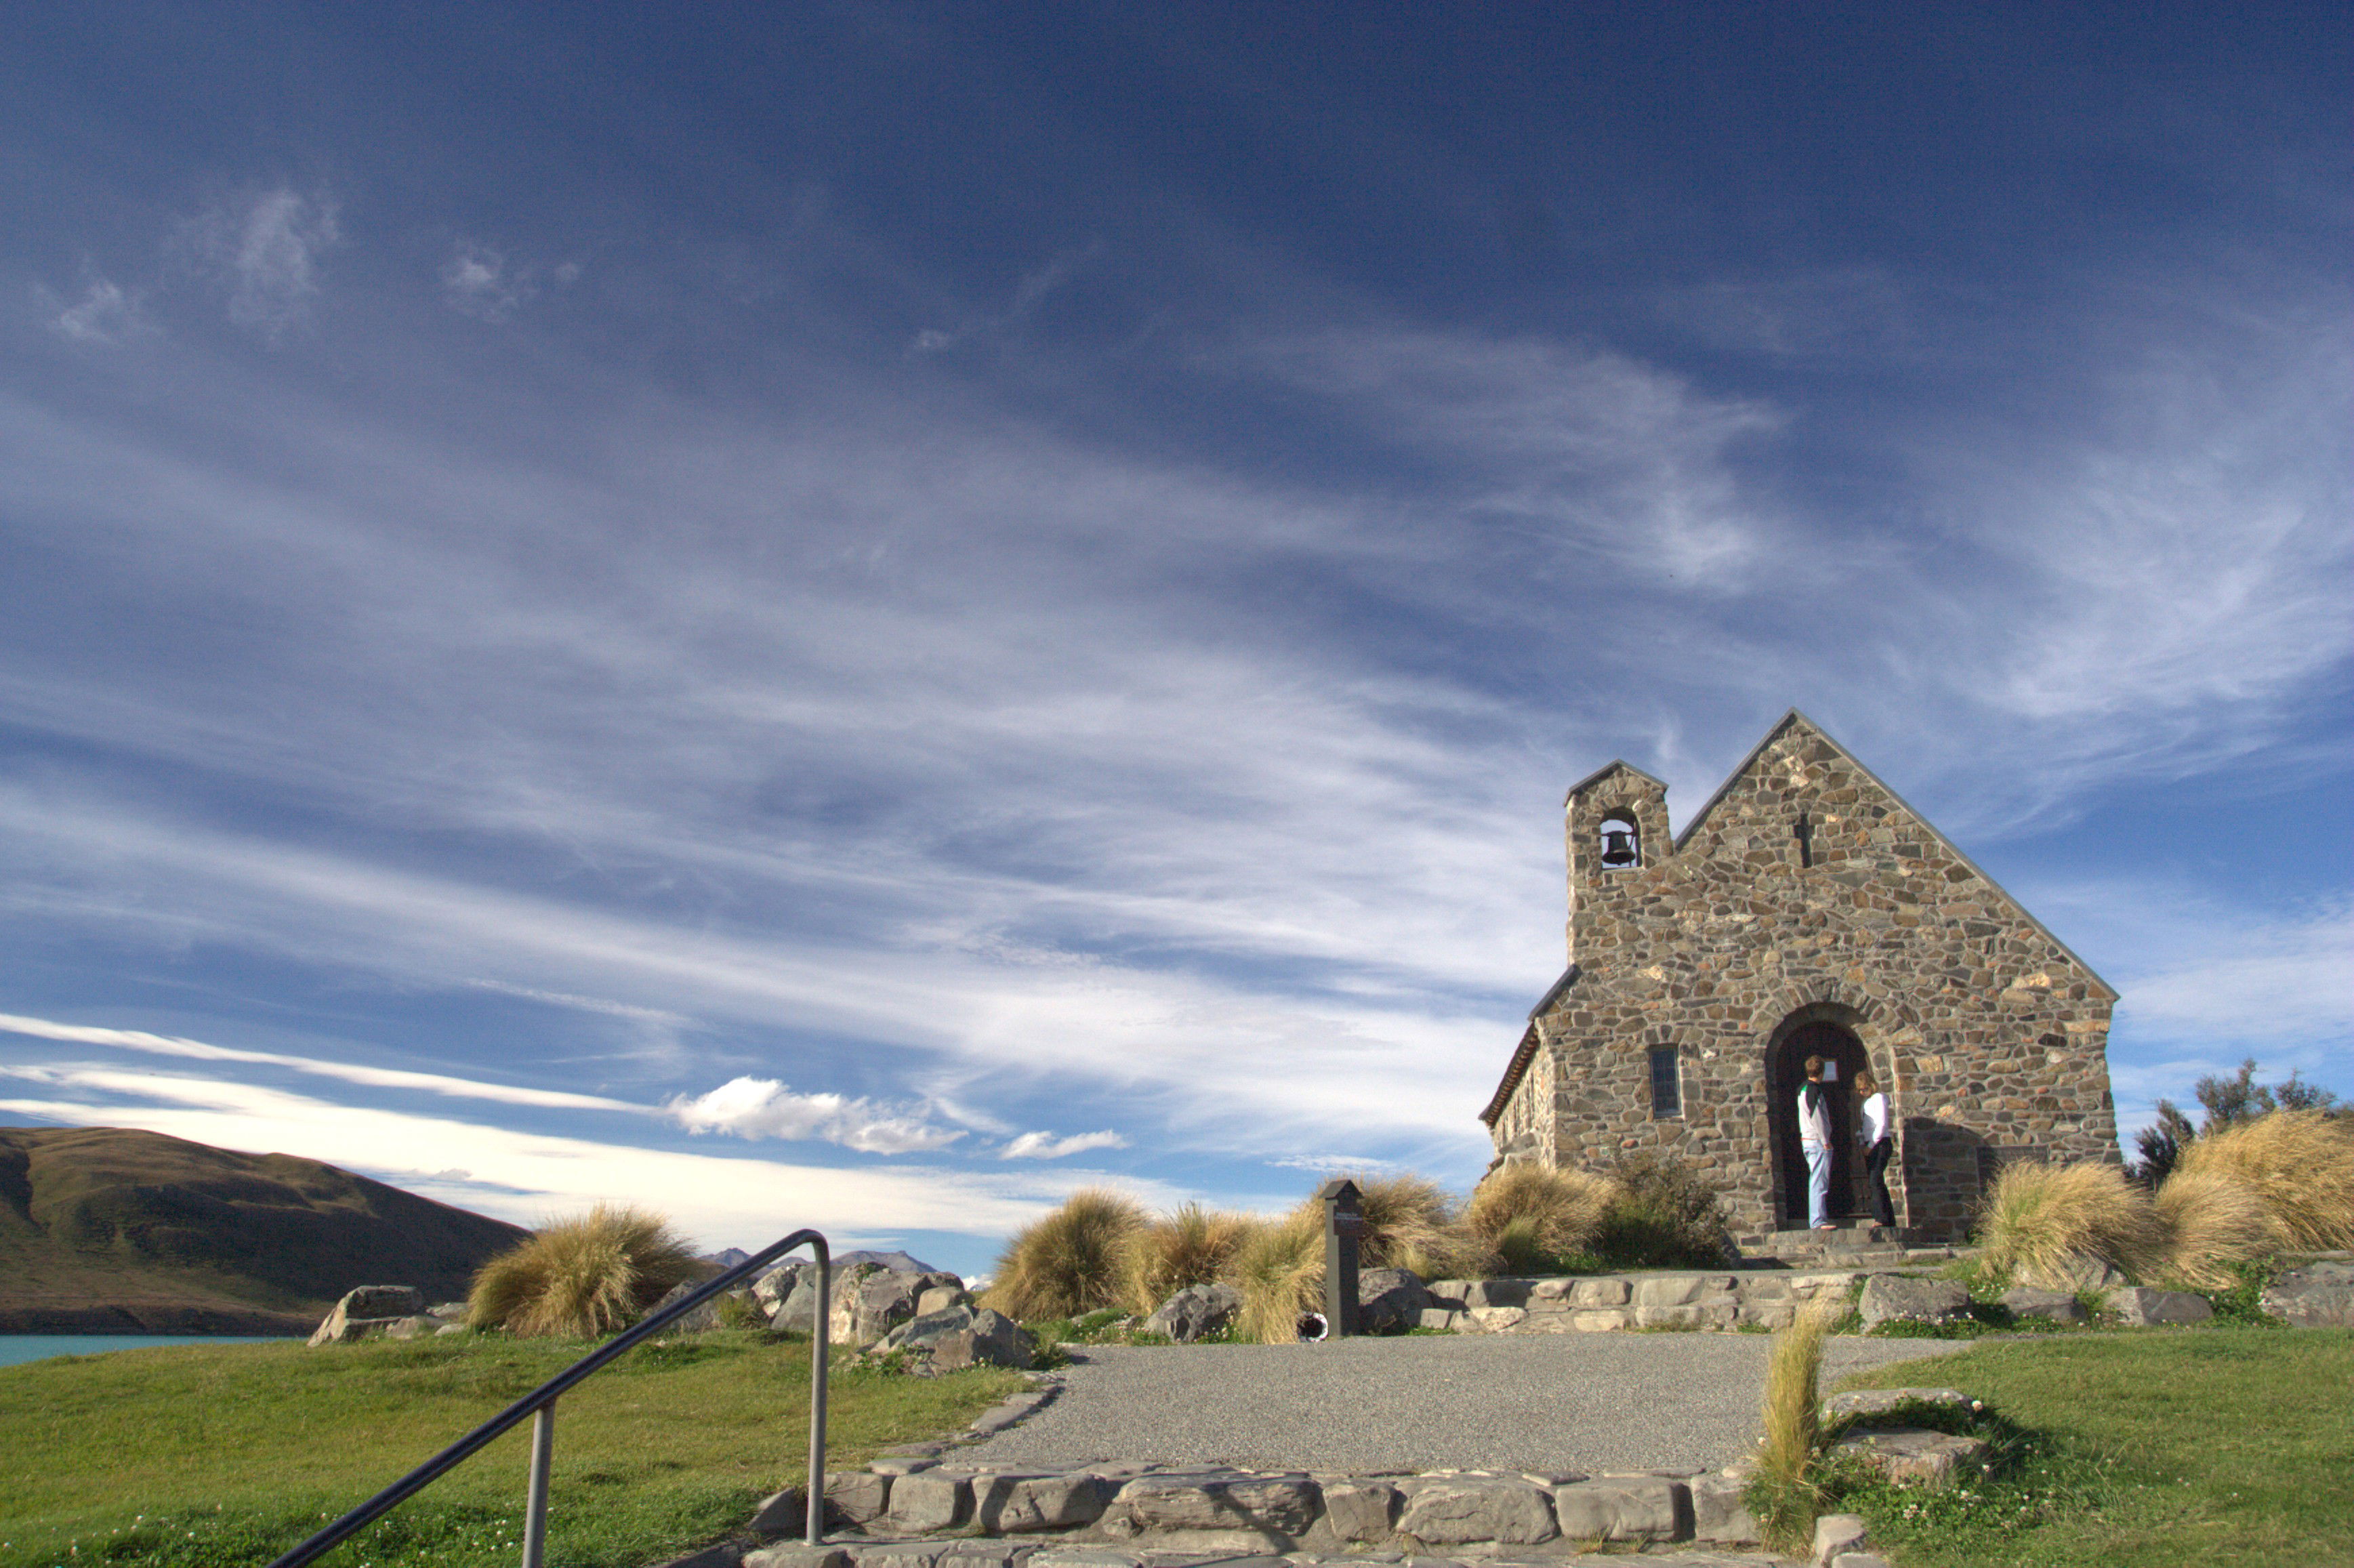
x=1618 y=847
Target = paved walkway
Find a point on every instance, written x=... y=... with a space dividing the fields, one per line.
x=1590 y=1403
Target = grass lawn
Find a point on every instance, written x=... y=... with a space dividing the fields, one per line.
x=2145 y=1449
x=205 y=1456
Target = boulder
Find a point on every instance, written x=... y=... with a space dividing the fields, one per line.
x=961 y=1337
x=796 y=1312
x=1909 y=1454
x=1024 y=1504
x=1836 y=1534
x=367 y=1312
x=1900 y=1297
x=2139 y=1306
x=856 y=1497
x=1361 y=1511
x=1277 y=1505
x=1721 y=1509
x=771 y=1289
x=1450 y=1510
x=703 y=1319
x=929 y=1503
x=869 y=1305
x=1390 y=1300
x=2318 y=1296
x=940 y=1298
x=2058 y=1306
x=1880 y=1401
x=1194 y=1313
x=1626 y=1508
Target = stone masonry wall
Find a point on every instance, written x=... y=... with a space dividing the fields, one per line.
x=1990 y=1039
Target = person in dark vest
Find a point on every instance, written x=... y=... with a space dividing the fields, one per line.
x=1873 y=1132
x=1815 y=1142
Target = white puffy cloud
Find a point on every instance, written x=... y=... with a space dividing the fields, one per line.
x=764 y=1107
x=1046 y=1145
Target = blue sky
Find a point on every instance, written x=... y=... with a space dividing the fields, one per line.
x=865 y=615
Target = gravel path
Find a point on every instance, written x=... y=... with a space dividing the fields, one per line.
x=1507 y=1402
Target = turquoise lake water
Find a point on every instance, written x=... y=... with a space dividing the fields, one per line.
x=17 y=1348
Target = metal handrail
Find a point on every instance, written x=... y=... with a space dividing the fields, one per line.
x=540 y=1405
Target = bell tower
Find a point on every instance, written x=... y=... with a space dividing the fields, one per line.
x=1617 y=828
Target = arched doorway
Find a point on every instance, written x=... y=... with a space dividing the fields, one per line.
x=1802 y=1035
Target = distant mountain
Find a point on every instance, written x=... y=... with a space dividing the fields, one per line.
x=895 y=1260
x=107 y=1230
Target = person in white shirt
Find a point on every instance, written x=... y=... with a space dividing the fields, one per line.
x=1815 y=1142
x=1873 y=1134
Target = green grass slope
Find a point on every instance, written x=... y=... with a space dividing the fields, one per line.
x=110 y=1230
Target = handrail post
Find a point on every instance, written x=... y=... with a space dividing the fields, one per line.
x=534 y=1505
x=820 y=1343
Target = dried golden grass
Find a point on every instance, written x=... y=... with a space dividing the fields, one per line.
x=2298 y=1164
x=1069 y=1262
x=1538 y=1211
x=2212 y=1222
x=582 y=1277
x=1409 y=1223
x=1279 y=1270
x=2039 y=1220
x=1788 y=1461
x=1163 y=1256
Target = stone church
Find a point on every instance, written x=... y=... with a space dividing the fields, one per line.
x=1804 y=910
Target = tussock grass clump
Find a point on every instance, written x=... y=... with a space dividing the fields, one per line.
x=1279 y=1270
x=1162 y=1257
x=1531 y=1215
x=2298 y=1163
x=582 y=1277
x=1069 y=1263
x=1787 y=1492
x=2039 y=1221
x=1409 y=1223
x=2212 y=1222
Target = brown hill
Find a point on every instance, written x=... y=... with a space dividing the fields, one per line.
x=109 y=1230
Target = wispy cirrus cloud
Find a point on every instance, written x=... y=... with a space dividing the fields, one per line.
x=107 y=315
x=266 y=246
x=478 y=280
x=442 y=1084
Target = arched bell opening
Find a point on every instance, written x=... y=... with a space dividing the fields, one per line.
x=1621 y=842
x=1824 y=1030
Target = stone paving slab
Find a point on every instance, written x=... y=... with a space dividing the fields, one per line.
x=1590 y=1403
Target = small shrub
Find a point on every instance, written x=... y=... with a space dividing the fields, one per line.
x=1663 y=1213
x=1069 y=1262
x=1279 y=1272
x=1533 y=1216
x=582 y=1277
x=1162 y=1257
x=2241 y=1302
x=2212 y=1222
x=1786 y=1490
x=2038 y=1220
x=2300 y=1166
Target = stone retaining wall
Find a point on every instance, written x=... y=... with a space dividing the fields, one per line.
x=1734 y=1299
x=912 y=1499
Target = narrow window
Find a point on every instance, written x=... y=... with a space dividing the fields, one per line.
x=1666 y=1089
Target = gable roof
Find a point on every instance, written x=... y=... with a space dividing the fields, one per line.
x=1527 y=1050
x=1606 y=769
x=1794 y=717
